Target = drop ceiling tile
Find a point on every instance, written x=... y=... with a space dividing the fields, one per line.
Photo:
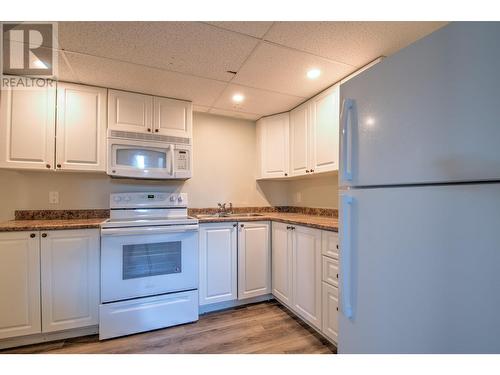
x=120 y=75
x=188 y=47
x=253 y=28
x=256 y=100
x=243 y=115
x=284 y=70
x=355 y=43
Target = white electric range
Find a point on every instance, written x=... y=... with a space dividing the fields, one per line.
x=149 y=264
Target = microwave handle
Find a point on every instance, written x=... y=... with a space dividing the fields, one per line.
x=172 y=157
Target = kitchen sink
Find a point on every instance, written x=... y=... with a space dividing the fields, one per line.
x=209 y=216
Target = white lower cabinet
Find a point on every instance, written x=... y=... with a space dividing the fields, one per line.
x=19 y=284
x=282 y=262
x=306 y=274
x=49 y=274
x=70 y=279
x=330 y=311
x=218 y=262
x=254 y=259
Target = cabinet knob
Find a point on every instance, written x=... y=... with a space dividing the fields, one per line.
x=286 y=174
x=235 y=225
x=32 y=235
x=307 y=170
x=337 y=276
x=47 y=166
x=312 y=170
x=242 y=225
x=288 y=227
x=292 y=228
x=58 y=165
x=337 y=309
x=44 y=235
x=156 y=130
x=337 y=246
x=149 y=129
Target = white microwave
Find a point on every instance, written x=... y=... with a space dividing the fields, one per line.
x=148 y=156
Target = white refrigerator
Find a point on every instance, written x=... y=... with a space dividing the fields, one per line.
x=420 y=198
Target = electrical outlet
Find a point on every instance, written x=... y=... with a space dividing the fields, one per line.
x=53 y=197
x=298 y=197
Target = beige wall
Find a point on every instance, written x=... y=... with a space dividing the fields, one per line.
x=318 y=191
x=224 y=171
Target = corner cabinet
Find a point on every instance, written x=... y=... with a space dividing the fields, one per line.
x=49 y=281
x=309 y=144
x=218 y=262
x=254 y=259
x=81 y=128
x=27 y=126
x=128 y=111
x=273 y=146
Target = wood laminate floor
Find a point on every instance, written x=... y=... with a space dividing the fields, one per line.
x=265 y=327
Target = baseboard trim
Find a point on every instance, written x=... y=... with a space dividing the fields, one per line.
x=47 y=337
x=204 y=309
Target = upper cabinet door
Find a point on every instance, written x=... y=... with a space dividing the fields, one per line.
x=130 y=111
x=300 y=140
x=274 y=146
x=27 y=127
x=173 y=117
x=70 y=279
x=81 y=127
x=325 y=131
x=19 y=284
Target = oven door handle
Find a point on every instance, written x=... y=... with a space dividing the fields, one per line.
x=148 y=230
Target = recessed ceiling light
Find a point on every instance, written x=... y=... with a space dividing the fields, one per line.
x=238 y=98
x=313 y=73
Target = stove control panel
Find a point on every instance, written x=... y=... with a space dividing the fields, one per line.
x=147 y=199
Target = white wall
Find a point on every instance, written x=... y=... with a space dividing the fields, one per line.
x=224 y=171
x=318 y=191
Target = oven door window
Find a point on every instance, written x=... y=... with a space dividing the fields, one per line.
x=141 y=158
x=152 y=259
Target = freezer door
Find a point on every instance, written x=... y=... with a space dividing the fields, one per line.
x=429 y=113
x=420 y=270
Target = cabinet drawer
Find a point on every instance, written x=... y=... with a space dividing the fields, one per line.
x=330 y=271
x=330 y=244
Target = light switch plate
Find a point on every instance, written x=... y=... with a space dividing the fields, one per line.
x=53 y=197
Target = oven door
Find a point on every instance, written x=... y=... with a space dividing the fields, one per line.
x=138 y=159
x=146 y=261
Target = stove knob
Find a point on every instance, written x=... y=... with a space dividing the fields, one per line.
x=179 y=199
x=172 y=198
x=127 y=199
x=117 y=199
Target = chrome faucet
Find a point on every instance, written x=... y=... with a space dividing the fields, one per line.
x=222 y=210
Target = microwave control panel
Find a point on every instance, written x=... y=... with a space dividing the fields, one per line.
x=182 y=160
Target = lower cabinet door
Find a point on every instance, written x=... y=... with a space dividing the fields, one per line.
x=19 y=284
x=282 y=262
x=218 y=262
x=330 y=311
x=70 y=279
x=254 y=259
x=306 y=265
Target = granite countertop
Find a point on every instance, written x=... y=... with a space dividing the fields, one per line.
x=313 y=221
x=51 y=224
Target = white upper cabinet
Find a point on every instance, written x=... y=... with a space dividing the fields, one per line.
x=218 y=262
x=130 y=111
x=81 y=127
x=70 y=279
x=27 y=127
x=19 y=284
x=282 y=263
x=306 y=265
x=325 y=131
x=300 y=158
x=273 y=146
x=254 y=259
x=173 y=117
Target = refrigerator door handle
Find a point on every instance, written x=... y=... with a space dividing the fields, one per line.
x=346 y=134
x=346 y=257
